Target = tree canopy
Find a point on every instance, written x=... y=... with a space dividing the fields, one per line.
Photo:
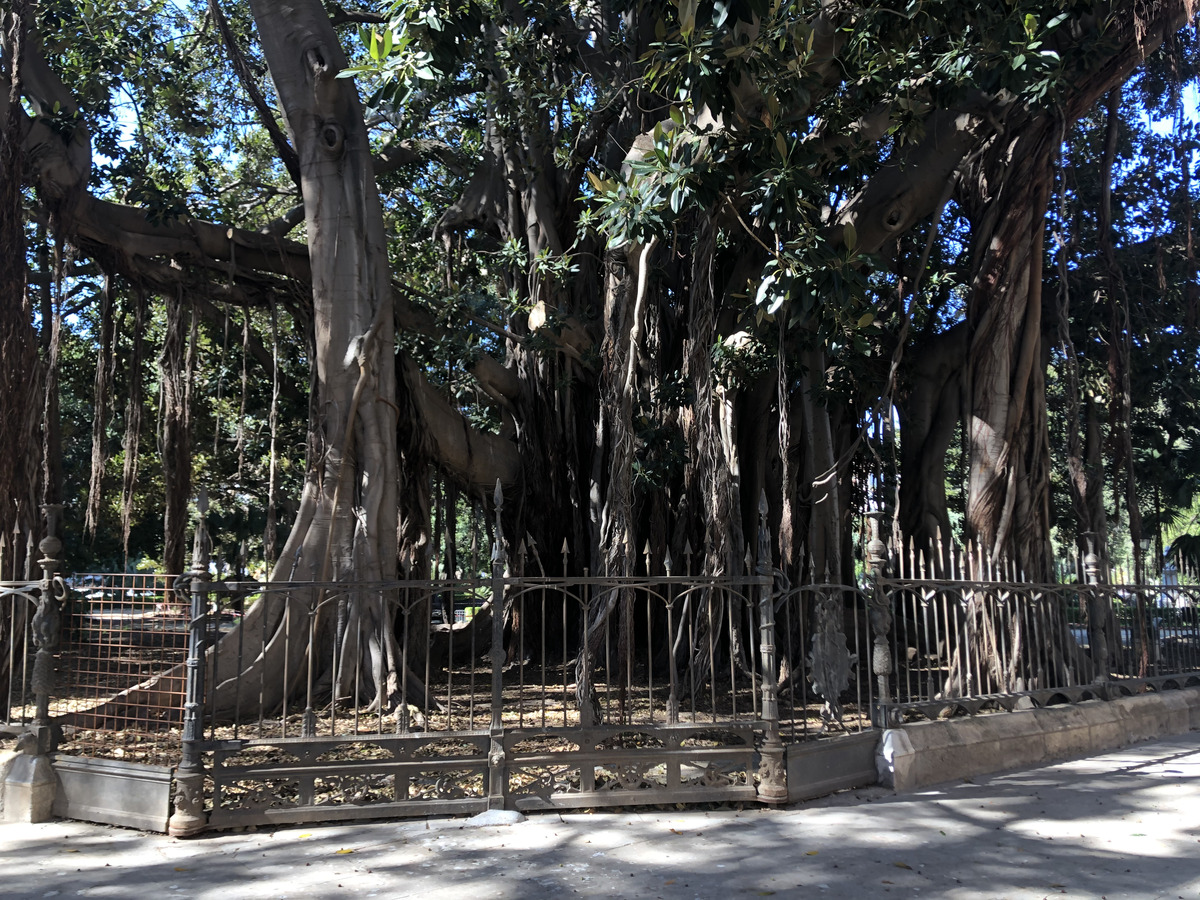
x=642 y=264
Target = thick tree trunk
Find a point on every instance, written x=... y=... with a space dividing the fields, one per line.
x=175 y=437
x=1008 y=484
x=930 y=409
x=346 y=528
x=20 y=371
x=1008 y=520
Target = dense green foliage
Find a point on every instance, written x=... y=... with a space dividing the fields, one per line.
x=561 y=183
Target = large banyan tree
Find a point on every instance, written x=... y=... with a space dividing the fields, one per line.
x=640 y=263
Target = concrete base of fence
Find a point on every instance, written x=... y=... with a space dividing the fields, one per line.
x=926 y=753
x=817 y=768
x=26 y=787
x=113 y=792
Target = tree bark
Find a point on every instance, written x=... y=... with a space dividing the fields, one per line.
x=175 y=436
x=347 y=525
x=930 y=409
x=1008 y=485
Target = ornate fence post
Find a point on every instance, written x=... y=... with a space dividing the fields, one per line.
x=497 y=769
x=1098 y=612
x=881 y=625
x=28 y=785
x=772 y=771
x=47 y=628
x=189 y=817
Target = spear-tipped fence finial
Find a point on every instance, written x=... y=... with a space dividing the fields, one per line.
x=498 y=555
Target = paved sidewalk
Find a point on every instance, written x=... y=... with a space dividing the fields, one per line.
x=1122 y=825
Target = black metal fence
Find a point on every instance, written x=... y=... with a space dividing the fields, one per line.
x=963 y=646
x=282 y=700
x=668 y=650
x=18 y=605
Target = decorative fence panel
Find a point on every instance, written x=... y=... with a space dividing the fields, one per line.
x=18 y=650
x=969 y=646
x=824 y=637
x=288 y=702
x=569 y=697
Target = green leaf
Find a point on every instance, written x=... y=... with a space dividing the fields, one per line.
x=849 y=236
x=722 y=10
x=764 y=288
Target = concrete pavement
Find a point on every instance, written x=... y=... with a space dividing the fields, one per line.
x=1122 y=825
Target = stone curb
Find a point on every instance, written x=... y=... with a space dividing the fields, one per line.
x=916 y=756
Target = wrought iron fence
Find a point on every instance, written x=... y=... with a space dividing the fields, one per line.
x=285 y=701
x=964 y=646
x=824 y=677
x=559 y=690
x=18 y=650
x=124 y=643
x=30 y=626
x=574 y=651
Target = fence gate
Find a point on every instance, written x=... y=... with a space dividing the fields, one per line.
x=579 y=693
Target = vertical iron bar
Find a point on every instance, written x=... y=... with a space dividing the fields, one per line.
x=880 y=617
x=772 y=773
x=497 y=770
x=189 y=817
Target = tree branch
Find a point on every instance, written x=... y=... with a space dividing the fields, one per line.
x=287 y=155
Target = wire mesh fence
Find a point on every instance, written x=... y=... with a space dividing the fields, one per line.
x=120 y=673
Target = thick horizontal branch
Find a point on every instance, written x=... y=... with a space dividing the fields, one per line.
x=902 y=193
x=128 y=231
x=474 y=457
